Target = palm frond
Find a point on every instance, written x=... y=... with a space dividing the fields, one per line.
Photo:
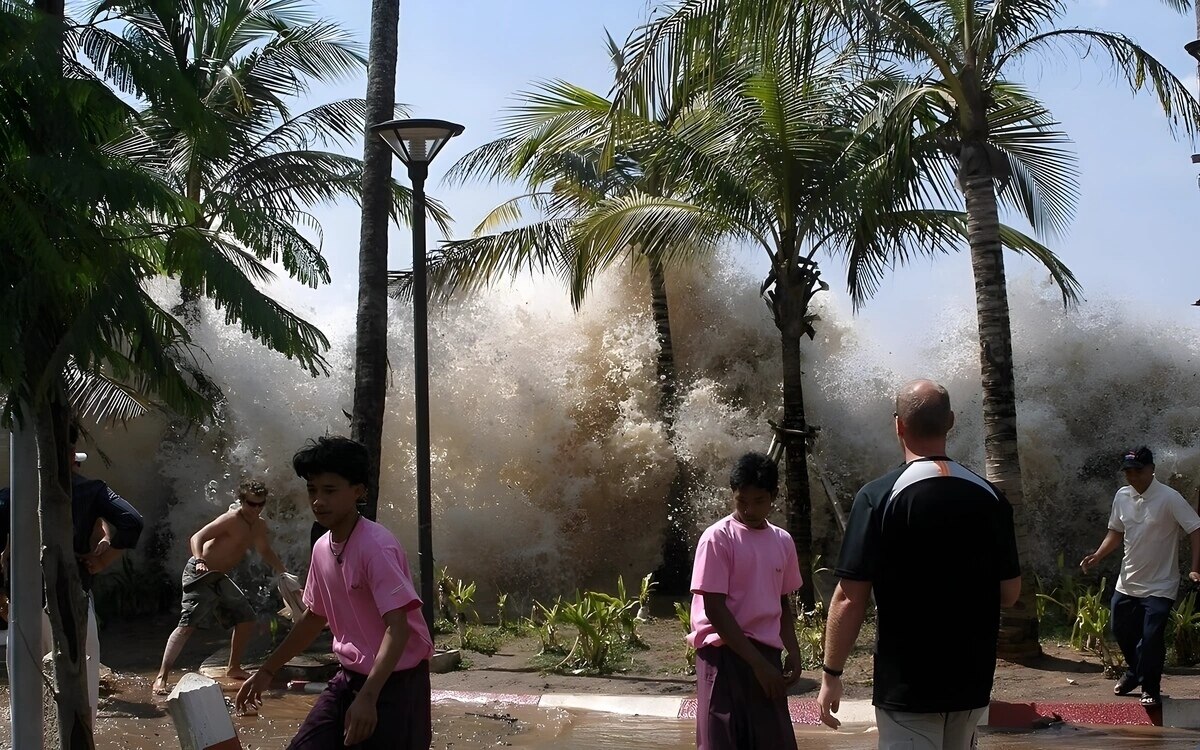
x=95 y=396
x=1140 y=69
x=461 y=266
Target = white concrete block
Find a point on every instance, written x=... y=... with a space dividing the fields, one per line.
x=197 y=706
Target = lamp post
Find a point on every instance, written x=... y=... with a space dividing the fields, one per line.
x=417 y=142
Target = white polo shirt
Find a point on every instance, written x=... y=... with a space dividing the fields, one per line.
x=1151 y=524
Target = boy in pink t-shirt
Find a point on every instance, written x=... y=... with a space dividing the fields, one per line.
x=742 y=620
x=358 y=583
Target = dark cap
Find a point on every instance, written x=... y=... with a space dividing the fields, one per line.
x=1137 y=458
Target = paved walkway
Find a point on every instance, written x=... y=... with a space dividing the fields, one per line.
x=1180 y=713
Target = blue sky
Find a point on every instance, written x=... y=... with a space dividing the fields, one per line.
x=1136 y=228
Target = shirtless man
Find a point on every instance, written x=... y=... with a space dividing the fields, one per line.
x=209 y=596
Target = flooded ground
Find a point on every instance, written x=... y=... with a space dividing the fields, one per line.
x=131 y=719
x=472 y=727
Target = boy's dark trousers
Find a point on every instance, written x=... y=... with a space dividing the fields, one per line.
x=732 y=711
x=405 y=720
x=1140 y=624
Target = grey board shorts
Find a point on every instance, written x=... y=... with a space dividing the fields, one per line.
x=211 y=600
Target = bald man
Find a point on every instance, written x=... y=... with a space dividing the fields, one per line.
x=935 y=542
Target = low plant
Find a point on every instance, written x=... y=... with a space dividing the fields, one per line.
x=810 y=635
x=1065 y=595
x=1089 y=633
x=683 y=613
x=501 y=605
x=1184 y=627
x=647 y=588
x=444 y=585
x=627 y=609
x=597 y=619
x=544 y=621
x=461 y=596
x=483 y=640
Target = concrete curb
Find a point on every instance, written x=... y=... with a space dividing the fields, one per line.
x=1180 y=713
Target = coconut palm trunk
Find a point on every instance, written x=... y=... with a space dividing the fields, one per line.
x=189 y=291
x=796 y=283
x=799 y=493
x=674 y=576
x=1019 y=634
x=65 y=601
x=370 y=350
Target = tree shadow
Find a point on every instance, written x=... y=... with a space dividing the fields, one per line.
x=123 y=709
x=1047 y=663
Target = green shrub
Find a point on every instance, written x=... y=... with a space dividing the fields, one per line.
x=544 y=621
x=1184 y=631
x=1090 y=631
x=683 y=613
x=810 y=635
x=1065 y=595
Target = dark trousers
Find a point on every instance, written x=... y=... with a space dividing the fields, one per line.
x=732 y=711
x=1140 y=624
x=403 y=711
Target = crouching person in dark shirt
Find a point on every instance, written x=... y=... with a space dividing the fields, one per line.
x=105 y=525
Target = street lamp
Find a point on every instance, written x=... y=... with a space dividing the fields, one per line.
x=417 y=142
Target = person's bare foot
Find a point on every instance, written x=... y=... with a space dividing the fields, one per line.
x=237 y=673
x=160 y=686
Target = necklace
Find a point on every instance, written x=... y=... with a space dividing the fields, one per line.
x=341 y=547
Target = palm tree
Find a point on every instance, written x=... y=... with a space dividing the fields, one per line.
x=84 y=232
x=797 y=162
x=1006 y=153
x=370 y=348
x=217 y=79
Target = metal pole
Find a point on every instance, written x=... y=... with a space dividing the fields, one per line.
x=25 y=626
x=417 y=173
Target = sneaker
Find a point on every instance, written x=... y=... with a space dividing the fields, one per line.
x=1126 y=685
x=1151 y=700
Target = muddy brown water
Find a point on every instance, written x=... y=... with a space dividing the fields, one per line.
x=473 y=727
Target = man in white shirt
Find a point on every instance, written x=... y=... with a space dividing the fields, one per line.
x=1147 y=516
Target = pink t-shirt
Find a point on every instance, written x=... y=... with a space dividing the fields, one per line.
x=372 y=580
x=754 y=568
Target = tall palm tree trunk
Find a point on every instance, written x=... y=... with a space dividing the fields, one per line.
x=796 y=281
x=1019 y=633
x=799 y=492
x=65 y=601
x=189 y=291
x=370 y=349
x=674 y=576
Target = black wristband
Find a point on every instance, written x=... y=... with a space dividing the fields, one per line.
x=830 y=671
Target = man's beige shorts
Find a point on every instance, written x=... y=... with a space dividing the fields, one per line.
x=950 y=731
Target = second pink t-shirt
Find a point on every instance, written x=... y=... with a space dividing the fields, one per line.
x=753 y=568
x=371 y=580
